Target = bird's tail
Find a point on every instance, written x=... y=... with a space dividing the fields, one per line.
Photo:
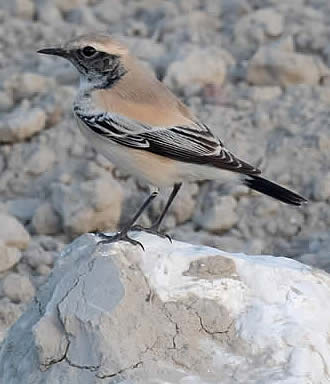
x=274 y=190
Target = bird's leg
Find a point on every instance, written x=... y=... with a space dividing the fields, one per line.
x=154 y=229
x=123 y=234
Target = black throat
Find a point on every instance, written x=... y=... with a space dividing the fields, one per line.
x=113 y=75
x=104 y=70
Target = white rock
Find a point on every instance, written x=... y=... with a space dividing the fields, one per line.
x=22 y=209
x=49 y=13
x=9 y=256
x=109 y=11
x=321 y=187
x=35 y=256
x=12 y=233
x=9 y=313
x=88 y=206
x=18 y=288
x=256 y=28
x=274 y=66
x=40 y=161
x=21 y=124
x=176 y=313
x=24 y=9
x=258 y=94
x=186 y=71
x=45 y=220
x=65 y=5
x=6 y=100
x=30 y=84
x=219 y=216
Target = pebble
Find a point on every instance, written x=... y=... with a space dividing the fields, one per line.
x=186 y=71
x=12 y=233
x=9 y=257
x=21 y=124
x=219 y=216
x=46 y=221
x=271 y=66
x=18 y=288
x=88 y=206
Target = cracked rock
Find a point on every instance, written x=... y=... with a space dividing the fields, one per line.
x=173 y=314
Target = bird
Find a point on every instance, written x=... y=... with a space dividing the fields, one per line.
x=137 y=123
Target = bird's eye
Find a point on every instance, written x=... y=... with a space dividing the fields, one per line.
x=88 y=51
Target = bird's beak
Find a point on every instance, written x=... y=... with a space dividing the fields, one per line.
x=54 y=51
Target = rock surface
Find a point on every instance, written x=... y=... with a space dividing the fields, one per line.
x=176 y=313
x=206 y=51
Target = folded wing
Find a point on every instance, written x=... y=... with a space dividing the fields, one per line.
x=194 y=143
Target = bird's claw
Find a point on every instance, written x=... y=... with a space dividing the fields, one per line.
x=119 y=236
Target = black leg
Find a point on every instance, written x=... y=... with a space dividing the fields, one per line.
x=155 y=226
x=123 y=234
x=154 y=229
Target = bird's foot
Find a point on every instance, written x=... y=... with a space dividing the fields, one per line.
x=153 y=230
x=119 y=236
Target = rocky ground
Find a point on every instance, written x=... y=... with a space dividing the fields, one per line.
x=256 y=71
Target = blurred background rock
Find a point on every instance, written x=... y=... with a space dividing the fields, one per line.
x=256 y=71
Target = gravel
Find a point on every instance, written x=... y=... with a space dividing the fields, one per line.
x=255 y=71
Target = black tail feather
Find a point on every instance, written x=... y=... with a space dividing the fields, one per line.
x=274 y=190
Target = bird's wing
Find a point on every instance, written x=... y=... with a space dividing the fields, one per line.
x=193 y=143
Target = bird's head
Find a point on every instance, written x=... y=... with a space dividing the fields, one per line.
x=98 y=58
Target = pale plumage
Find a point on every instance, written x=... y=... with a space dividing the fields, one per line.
x=135 y=121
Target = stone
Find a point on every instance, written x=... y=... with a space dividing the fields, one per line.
x=23 y=209
x=259 y=94
x=46 y=221
x=12 y=233
x=256 y=28
x=65 y=5
x=219 y=216
x=174 y=313
x=321 y=188
x=272 y=66
x=27 y=85
x=186 y=71
x=18 y=288
x=24 y=9
x=6 y=101
x=40 y=161
x=21 y=124
x=36 y=256
x=9 y=313
x=108 y=11
x=88 y=206
x=9 y=257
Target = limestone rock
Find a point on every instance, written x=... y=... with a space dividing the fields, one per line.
x=21 y=124
x=27 y=85
x=9 y=257
x=176 y=313
x=65 y=5
x=273 y=66
x=185 y=72
x=88 y=206
x=219 y=216
x=9 y=313
x=22 y=209
x=45 y=220
x=18 y=288
x=256 y=28
x=12 y=233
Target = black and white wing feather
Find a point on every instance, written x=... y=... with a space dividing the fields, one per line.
x=193 y=144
